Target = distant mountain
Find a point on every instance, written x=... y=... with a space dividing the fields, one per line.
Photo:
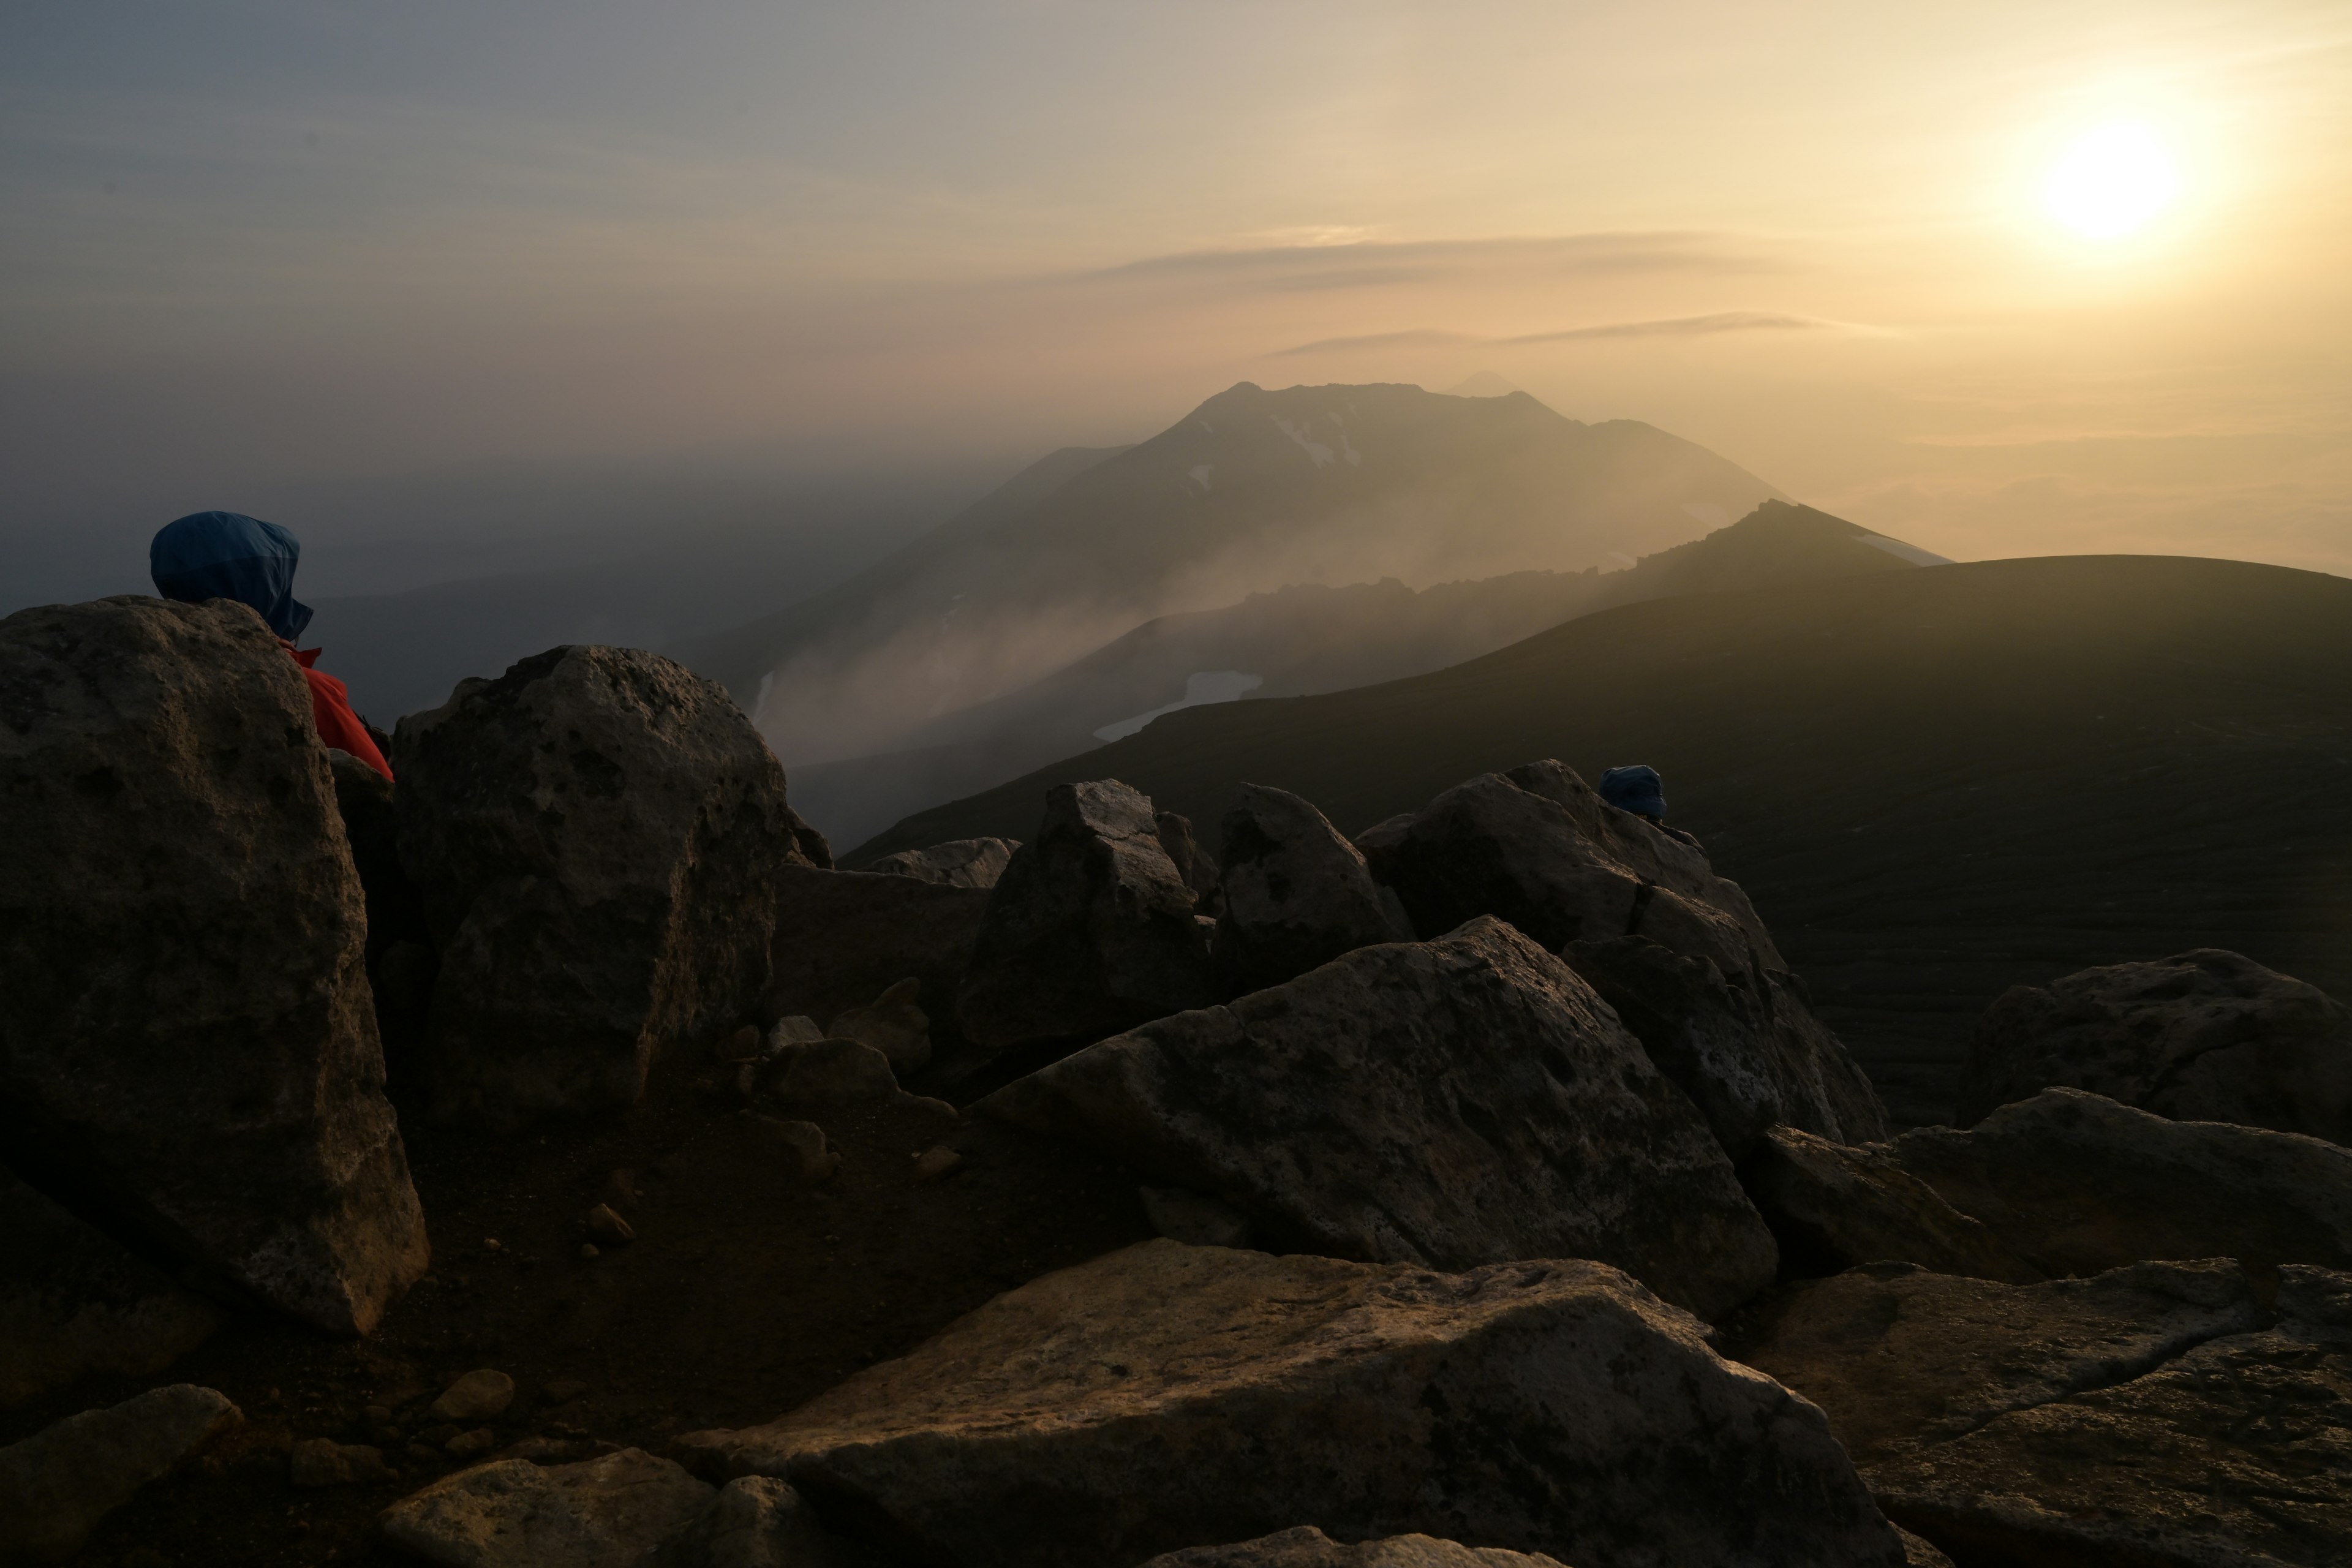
x=1935 y=784
x=1252 y=491
x=1306 y=639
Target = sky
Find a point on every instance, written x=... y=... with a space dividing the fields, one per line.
x=246 y=249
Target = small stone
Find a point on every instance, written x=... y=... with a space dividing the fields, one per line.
x=479 y=1395
x=741 y=1046
x=936 y=1162
x=797 y=1030
x=436 y=1436
x=471 y=1445
x=588 y=1252
x=420 y=1454
x=324 y=1462
x=606 y=1225
x=804 y=1142
x=834 y=1073
x=510 y=1513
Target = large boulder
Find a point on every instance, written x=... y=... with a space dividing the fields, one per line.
x=1296 y=893
x=1090 y=930
x=1307 y=1547
x=187 y=1042
x=1537 y=847
x=2153 y=1414
x=2068 y=1183
x=842 y=938
x=58 y=1486
x=1832 y=1206
x=74 y=1301
x=597 y=836
x=2207 y=1035
x=1167 y=1397
x=1449 y=1103
x=1742 y=1045
x=958 y=863
x=608 y=1512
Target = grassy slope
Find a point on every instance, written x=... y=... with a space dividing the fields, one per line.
x=1936 y=784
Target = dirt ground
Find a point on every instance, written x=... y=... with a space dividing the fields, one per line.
x=745 y=1292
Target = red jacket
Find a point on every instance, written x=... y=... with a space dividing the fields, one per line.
x=331 y=710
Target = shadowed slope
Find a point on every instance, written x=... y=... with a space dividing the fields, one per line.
x=1935 y=784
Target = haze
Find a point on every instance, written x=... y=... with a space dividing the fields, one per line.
x=270 y=257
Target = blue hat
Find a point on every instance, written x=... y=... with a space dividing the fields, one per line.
x=1637 y=789
x=228 y=555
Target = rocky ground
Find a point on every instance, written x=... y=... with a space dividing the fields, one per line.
x=746 y=1291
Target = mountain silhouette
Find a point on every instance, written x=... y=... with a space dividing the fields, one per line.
x=1251 y=491
x=1935 y=784
x=1304 y=639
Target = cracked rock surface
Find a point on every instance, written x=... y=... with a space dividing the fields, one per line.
x=2156 y=1413
x=1451 y=1104
x=1166 y=1397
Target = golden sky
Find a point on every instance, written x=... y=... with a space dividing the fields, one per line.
x=311 y=240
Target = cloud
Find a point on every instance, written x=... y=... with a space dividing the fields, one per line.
x=1373 y=262
x=1675 y=327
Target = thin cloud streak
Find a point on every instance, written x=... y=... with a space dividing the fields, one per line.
x=1675 y=327
x=1668 y=251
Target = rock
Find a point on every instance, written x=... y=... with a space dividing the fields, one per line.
x=324 y=1462
x=1193 y=1219
x=937 y=1161
x=1919 y=1553
x=1193 y=864
x=1297 y=894
x=2076 y=1183
x=755 y=1522
x=2207 y=1035
x=892 y=1024
x=479 y=1395
x=1089 y=931
x=832 y=1073
x=599 y=1513
x=187 y=1043
x=1307 y=1547
x=804 y=1142
x=1830 y=1207
x=1742 y=1045
x=1453 y=1103
x=959 y=863
x=57 y=1486
x=842 y=937
x=604 y=1223
x=1899 y=1356
x=2144 y=1415
x=597 y=836
x=470 y=1445
x=75 y=1301
x=1551 y=1407
x=785 y=1033
x=739 y=1046
x=1494 y=845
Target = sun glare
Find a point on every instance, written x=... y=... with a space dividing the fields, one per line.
x=2112 y=181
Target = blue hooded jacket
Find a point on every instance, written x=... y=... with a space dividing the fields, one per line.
x=228 y=555
x=1634 y=788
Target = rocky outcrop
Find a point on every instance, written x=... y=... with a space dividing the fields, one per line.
x=1090 y=930
x=2207 y=1035
x=187 y=1043
x=1832 y=1206
x=598 y=1513
x=597 y=836
x=894 y=1023
x=1451 y=1103
x=1307 y=1547
x=59 y=1485
x=845 y=937
x=74 y=1301
x=1537 y=846
x=2076 y=1183
x=2155 y=1414
x=1742 y=1045
x=1296 y=893
x=1195 y=865
x=959 y=863
x=1551 y=1407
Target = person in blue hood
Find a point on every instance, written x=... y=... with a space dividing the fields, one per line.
x=228 y=555
x=1639 y=790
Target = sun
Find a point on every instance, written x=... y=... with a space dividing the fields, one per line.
x=2112 y=181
